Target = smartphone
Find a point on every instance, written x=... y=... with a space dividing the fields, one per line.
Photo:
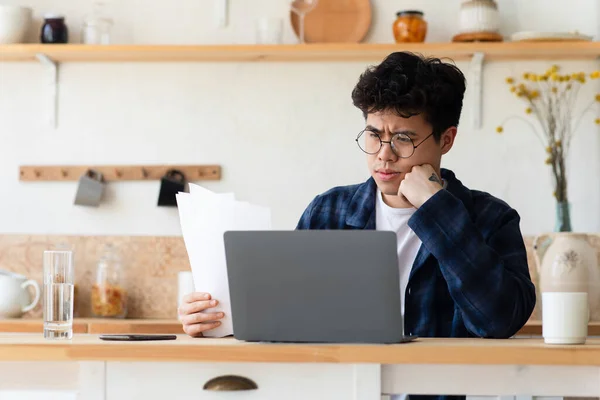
x=137 y=338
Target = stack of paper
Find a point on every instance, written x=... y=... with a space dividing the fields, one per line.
x=205 y=216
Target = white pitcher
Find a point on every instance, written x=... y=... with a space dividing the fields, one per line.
x=567 y=262
x=15 y=299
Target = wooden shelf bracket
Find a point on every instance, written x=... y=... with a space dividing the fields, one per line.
x=477 y=85
x=53 y=82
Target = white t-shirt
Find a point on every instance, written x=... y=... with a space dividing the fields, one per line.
x=396 y=220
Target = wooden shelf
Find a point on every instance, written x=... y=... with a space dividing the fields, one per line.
x=307 y=52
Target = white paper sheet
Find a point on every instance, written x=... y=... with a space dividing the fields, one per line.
x=204 y=217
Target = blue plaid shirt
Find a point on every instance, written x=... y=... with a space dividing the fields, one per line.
x=470 y=277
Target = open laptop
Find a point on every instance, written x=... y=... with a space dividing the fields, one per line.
x=314 y=286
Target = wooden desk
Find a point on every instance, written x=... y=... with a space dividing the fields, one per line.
x=155 y=370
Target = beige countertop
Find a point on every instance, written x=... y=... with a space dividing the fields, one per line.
x=88 y=347
x=97 y=325
x=107 y=325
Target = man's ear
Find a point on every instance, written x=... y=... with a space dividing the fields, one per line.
x=447 y=139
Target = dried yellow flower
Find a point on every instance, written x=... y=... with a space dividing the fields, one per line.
x=558 y=143
x=598 y=97
x=528 y=110
x=548 y=161
x=549 y=150
x=554 y=68
x=510 y=81
x=554 y=89
x=499 y=129
x=555 y=77
x=597 y=121
x=534 y=94
x=526 y=75
x=513 y=89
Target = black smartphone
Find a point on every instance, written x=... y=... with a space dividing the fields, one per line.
x=137 y=338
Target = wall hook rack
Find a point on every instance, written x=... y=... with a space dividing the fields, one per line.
x=118 y=173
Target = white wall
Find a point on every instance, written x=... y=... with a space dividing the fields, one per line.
x=283 y=132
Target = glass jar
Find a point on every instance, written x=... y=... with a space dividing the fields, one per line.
x=109 y=297
x=54 y=30
x=97 y=25
x=410 y=27
x=96 y=31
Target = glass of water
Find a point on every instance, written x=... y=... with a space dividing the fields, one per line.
x=58 y=294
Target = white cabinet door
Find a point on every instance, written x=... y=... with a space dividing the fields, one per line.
x=37 y=395
x=184 y=381
x=41 y=380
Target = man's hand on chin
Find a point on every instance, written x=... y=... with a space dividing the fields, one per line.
x=420 y=184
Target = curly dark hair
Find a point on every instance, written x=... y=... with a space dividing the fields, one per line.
x=410 y=84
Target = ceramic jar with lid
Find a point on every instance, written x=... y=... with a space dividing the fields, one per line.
x=54 y=30
x=410 y=27
x=479 y=16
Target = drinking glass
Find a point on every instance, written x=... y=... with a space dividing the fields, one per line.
x=58 y=294
x=301 y=8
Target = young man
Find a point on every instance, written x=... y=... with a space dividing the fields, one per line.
x=461 y=256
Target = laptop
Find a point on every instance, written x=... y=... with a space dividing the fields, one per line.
x=314 y=286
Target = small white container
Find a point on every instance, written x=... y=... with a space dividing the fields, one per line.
x=477 y=16
x=565 y=317
x=14 y=23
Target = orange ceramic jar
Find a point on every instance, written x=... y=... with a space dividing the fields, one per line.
x=410 y=27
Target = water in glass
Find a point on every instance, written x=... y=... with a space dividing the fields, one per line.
x=58 y=310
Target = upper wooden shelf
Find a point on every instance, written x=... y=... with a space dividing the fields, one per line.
x=294 y=52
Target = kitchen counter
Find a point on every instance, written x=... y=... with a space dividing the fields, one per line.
x=98 y=325
x=91 y=369
x=172 y=326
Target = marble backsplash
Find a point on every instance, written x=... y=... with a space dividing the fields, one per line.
x=150 y=264
x=150 y=268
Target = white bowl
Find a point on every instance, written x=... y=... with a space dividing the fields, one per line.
x=14 y=23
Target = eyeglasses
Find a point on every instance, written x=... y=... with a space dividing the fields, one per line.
x=402 y=145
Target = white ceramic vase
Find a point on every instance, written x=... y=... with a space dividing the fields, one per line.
x=567 y=262
x=477 y=16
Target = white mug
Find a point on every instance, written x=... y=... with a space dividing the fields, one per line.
x=185 y=285
x=15 y=299
x=565 y=317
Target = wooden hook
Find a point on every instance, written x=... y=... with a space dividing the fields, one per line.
x=64 y=173
x=37 y=173
x=144 y=173
x=119 y=173
x=200 y=172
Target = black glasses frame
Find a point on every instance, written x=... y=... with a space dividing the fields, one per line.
x=381 y=142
